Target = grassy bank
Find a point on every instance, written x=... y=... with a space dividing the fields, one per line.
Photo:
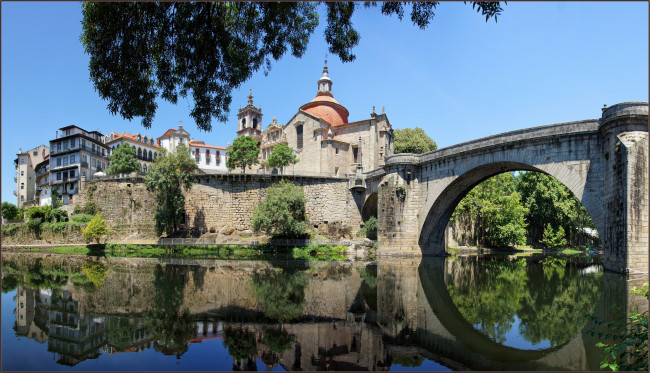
x=313 y=252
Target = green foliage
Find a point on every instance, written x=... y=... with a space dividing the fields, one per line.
x=59 y=216
x=550 y=202
x=169 y=175
x=39 y=212
x=207 y=49
x=9 y=283
x=9 y=211
x=628 y=340
x=280 y=293
x=95 y=272
x=369 y=229
x=277 y=340
x=282 y=212
x=495 y=209
x=10 y=229
x=553 y=239
x=122 y=160
x=407 y=140
x=408 y=360
x=96 y=228
x=243 y=153
x=241 y=343
x=90 y=208
x=57 y=201
x=281 y=156
x=81 y=218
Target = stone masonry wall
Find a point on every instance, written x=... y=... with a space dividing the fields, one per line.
x=220 y=201
x=217 y=202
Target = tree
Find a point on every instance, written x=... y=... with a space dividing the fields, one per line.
x=122 y=160
x=494 y=209
x=553 y=239
x=282 y=212
x=169 y=175
x=9 y=211
x=56 y=199
x=550 y=202
x=282 y=155
x=408 y=140
x=142 y=50
x=96 y=228
x=243 y=153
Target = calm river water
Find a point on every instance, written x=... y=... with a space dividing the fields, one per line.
x=492 y=312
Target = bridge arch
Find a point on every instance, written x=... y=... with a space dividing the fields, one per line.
x=432 y=234
x=370 y=207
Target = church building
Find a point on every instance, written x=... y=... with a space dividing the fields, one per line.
x=324 y=141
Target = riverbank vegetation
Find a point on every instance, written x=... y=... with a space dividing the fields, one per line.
x=526 y=208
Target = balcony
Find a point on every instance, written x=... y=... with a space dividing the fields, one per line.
x=90 y=150
x=44 y=181
x=15 y=179
x=84 y=164
x=15 y=192
x=43 y=171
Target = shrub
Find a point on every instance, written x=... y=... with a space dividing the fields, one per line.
x=282 y=212
x=81 y=218
x=369 y=229
x=35 y=225
x=59 y=215
x=9 y=229
x=56 y=227
x=553 y=239
x=39 y=212
x=9 y=210
x=96 y=228
x=90 y=208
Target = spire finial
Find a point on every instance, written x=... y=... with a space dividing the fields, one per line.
x=180 y=124
x=325 y=59
x=250 y=97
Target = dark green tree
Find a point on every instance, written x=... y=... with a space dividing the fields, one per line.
x=243 y=153
x=56 y=199
x=550 y=202
x=281 y=156
x=282 y=212
x=9 y=210
x=408 y=140
x=122 y=160
x=169 y=175
x=553 y=238
x=140 y=51
x=241 y=343
x=280 y=293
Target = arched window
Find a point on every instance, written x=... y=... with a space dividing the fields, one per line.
x=139 y=137
x=255 y=123
x=243 y=122
x=155 y=155
x=150 y=141
x=299 y=137
x=144 y=168
x=139 y=153
x=149 y=155
x=145 y=139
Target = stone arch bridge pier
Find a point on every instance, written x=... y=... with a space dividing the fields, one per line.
x=604 y=162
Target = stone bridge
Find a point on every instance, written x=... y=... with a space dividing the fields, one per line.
x=604 y=162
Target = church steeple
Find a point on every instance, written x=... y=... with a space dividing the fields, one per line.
x=325 y=83
x=249 y=119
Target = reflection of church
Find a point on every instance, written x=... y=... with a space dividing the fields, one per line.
x=325 y=142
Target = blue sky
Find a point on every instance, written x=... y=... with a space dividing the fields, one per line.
x=459 y=79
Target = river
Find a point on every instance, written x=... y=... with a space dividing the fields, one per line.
x=487 y=312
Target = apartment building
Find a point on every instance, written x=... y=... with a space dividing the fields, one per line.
x=25 y=174
x=146 y=149
x=74 y=153
x=43 y=195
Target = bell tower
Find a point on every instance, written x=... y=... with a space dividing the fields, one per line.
x=249 y=119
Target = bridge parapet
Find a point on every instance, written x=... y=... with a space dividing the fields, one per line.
x=623 y=110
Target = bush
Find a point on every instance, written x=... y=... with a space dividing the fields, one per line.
x=81 y=218
x=90 y=208
x=9 y=210
x=282 y=212
x=96 y=228
x=59 y=215
x=39 y=212
x=369 y=229
x=35 y=225
x=9 y=229
x=553 y=239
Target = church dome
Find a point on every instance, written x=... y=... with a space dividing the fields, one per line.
x=324 y=105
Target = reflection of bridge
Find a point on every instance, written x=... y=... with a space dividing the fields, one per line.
x=604 y=162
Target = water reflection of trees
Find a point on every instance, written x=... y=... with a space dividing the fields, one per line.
x=170 y=326
x=281 y=293
x=549 y=298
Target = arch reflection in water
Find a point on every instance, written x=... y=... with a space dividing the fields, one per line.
x=453 y=313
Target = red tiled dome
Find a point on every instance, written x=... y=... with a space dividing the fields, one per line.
x=327 y=108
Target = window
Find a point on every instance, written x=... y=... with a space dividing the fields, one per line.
x=58 y=146
x=93 y=147
x=355 y=154
x=72 y=142
x=35 y=152
x=22 y=161
x=299 y=136
x=58 y=176
x=255 y=123
x=243 y=122
x=22 y=185
x=72 y=159
x=336 y=149
x=65 y=161
x=139 y=153
x=217 y=161
x=22 y=173
x=149 y=155
x=92 y=162
x=336 y=171
x=197 y=158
